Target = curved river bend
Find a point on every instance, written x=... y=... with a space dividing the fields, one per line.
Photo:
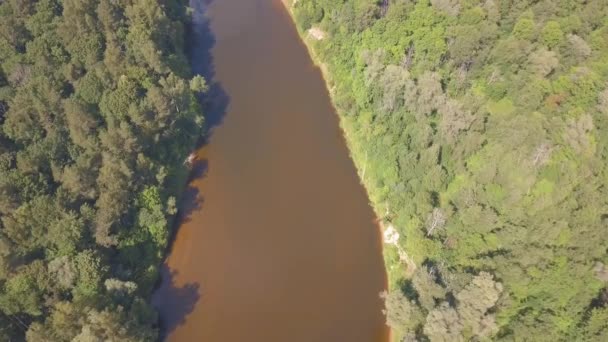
x=277 y=241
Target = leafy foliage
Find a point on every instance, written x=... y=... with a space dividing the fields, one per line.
x=481 y=127
x=97 y=113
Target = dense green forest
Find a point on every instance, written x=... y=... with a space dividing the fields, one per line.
x=98 y=112
x=480 y=129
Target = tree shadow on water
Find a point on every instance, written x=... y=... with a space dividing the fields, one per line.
x=192 y=200
x=201 y=42
x=174 y=302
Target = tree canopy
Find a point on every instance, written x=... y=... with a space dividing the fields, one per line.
x=98 y=111
x=482 y=129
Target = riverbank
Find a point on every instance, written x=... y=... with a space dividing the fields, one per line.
x=459 y=151
x=359 y=160
x=396 y=261
x=308 y=40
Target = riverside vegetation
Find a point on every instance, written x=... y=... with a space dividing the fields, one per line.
x=97 y=115
x=480 y=129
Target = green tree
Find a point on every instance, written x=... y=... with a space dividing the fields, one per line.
x=552 y=34
x=95 y=105
x=198 y=84
x=90 y=270
x=477 y=127
x=151 y=216
x=429 y=292
x=401 y=314
x=524 y=29
x=24 y=291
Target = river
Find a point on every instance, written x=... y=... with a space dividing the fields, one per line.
x=277 y=241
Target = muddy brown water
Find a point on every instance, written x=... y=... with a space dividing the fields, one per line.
x=277 y=241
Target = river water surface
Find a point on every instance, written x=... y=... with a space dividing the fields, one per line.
x=277 y=241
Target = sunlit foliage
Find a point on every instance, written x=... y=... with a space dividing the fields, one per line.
x=97 y=115
x=482 y=129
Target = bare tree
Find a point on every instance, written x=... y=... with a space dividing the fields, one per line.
x=20 y=75
x=454 y=119
x=409 y=57
x=435 y=220
x=579 y=45
x=451 y=7
x=542 y=154
x=393 y=82
x=601 y=271
x=495 y=76
x=374 y=65
x=577 y=133
x=543 y=61
x=427 y=95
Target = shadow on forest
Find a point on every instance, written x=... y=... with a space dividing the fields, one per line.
x=173 y=302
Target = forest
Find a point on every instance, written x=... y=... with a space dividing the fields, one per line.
x=480 y=129
x=98 y=111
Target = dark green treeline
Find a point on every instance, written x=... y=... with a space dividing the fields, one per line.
x=97 y=115
x=481 y=131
